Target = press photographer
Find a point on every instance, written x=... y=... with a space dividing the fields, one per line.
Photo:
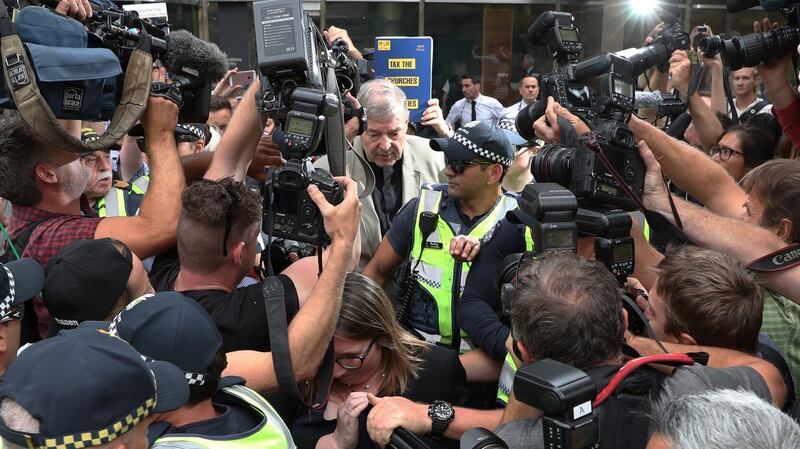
x=545 y=314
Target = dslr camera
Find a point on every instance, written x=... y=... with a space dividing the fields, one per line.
x=293 y=63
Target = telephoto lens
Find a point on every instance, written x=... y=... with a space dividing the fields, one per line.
x=552 y=164
x=480 y=438
x=753 y=49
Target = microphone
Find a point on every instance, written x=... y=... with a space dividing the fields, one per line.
x=188 y=55
x=648 y=100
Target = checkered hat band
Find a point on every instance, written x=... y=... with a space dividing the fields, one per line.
x=191 y=378
x=480 y=151
x=8 y=302
x=507 y=124
x=96 y=438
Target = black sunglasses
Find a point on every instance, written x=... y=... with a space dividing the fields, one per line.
x=354 y=361
x=233 y=199
x=459 y=166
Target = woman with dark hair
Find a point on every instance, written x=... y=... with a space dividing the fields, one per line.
x=375 y=355
x=743 y=148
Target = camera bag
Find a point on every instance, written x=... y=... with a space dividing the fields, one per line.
x=76 y=82
x=50 y=73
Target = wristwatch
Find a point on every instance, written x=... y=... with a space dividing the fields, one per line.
x=441 y=414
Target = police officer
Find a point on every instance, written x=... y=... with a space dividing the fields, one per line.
x=445 y=227
x=221 y=412
x=110 y=197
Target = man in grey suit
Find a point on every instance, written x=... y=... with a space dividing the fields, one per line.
x=401 y=163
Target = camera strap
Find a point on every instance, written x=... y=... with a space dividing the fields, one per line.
x=337 y=143
x=779 y=260
x=675 y=359
x=279 y=343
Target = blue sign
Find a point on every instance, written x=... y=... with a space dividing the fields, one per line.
x=408 y=63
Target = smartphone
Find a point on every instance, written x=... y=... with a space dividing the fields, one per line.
x=243 y=79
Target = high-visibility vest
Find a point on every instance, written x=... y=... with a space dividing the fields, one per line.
x=506 y=380
x=271 y=433
x=438 y=273
x=116 y=203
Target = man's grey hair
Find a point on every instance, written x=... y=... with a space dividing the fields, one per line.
x=724 y=419
x=16 y=418
x=383 y=101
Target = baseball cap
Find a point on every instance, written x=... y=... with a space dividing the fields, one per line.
x=508 y=124
x=89 y=135
x=476 y=139
x=196 y=130
x=169 y=326
x=87 y=388
x=20 y=281
x=84 y=282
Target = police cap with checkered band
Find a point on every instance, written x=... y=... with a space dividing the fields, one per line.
x=87 y=388
x=20 y=281
x=171 y=327
x=476 y=139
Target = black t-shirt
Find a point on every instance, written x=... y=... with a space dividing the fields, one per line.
x=441 y=377
x=240 y=315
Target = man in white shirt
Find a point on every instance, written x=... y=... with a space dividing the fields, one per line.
x=745 y=82
x=474 y=106
x=529 y=91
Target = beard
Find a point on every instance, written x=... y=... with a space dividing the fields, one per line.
x=75 y=180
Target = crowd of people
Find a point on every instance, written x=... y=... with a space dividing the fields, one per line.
x=136 y=310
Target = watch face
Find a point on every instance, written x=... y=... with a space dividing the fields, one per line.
x=442 y=411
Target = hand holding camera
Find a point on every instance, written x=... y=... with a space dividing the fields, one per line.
x=161 y=115
x=77 y=9
x=655 y=195
x=680 y=72
x=341 y=221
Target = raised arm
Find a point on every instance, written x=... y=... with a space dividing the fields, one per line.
x=240 y=141
x=735 y=237
x=709 y=129
x=312 y=328
x=154 y=229
x=693 y=171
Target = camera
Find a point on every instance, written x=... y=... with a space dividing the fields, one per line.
x=753 y=49
x=288 y=210
x=294 y=65
x=582 y=171
x=192 y=64
x=565 y=395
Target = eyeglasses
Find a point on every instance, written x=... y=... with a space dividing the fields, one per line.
x=725 y=153
x=233 y=199
x=459 y=166
x=16 y=313
x=354 y=361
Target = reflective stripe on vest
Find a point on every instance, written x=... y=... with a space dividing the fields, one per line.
x=140 y=185
x=437 y=268
x=646 y=230
x=272 y=433
x=113 y=204
x=506 y=379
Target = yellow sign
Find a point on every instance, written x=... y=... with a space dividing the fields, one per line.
x=403 y=64
x=384 y=45
x=404 y=81
x=412 y=104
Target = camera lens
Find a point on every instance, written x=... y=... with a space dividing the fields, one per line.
x=527 y=116
x=711 y=45
x=751 y=50
x=552 y=164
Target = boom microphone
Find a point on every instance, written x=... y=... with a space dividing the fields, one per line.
x=188 y=55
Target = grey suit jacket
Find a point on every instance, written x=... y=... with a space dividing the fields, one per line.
x=421 y=165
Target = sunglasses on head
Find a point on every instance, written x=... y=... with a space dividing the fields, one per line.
x=17 y=312
x=233 y=199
